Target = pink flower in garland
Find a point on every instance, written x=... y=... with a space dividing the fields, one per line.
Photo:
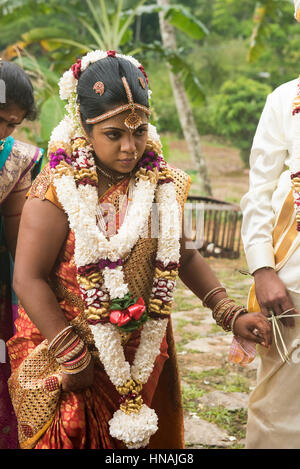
x=150 y=160
x=76 y=69
x=86 y=182
x=295 y=175
x=110 y=264
x=88 y=269
x=111 y=53
x=170 y=266
x=58 y=156
x=141 y=68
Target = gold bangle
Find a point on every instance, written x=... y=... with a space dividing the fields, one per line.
x=212 y=292
x=237 y=314
x=80 y=368
x=59 y=336
x=72 y=354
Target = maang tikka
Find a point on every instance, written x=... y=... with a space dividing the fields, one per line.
x=134 y=120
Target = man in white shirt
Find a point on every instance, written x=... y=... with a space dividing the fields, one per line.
x=272 y=246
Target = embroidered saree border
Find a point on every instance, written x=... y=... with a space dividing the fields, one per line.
x=18 y=163
x=31 y=442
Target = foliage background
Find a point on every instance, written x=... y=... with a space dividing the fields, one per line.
x=219 y=60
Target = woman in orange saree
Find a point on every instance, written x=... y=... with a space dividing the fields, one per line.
x=85 y=414
x=93 y=358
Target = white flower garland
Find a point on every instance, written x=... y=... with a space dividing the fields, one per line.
x=80 y=204
x=170 y=223
x=134 y=429
x=124 y=427
x=295 y=161
x=108 y=343
x=151 y=337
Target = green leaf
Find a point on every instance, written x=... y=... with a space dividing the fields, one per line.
x=122 y=303
x=183 y=69
x=265 y=10
x=39 y=34
x=58 y=36
x=133 y=324
x=130 y=16
x=183 y=20
x=114 y=306
x=97 y=35
x=126 y=37
x=180 y=17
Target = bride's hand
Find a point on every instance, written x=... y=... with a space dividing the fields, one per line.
x=79 y=381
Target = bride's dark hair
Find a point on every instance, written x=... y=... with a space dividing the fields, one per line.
x=110 y=72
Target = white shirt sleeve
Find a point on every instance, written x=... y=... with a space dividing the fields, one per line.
x=267 y=159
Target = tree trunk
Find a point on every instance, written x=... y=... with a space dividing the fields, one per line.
x=186 y=118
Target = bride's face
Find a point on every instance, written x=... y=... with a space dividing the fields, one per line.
x=117 y=147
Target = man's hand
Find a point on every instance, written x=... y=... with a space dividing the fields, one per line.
x=272 y=295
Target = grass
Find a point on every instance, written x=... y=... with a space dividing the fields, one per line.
x=185 y=338
x=233 y=422
x=236 y=383
x=190 y=395
x=181 y=323
x=182 y=303
x=221 y=379
x=215 y=329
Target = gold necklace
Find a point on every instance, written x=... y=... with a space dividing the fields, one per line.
x=112 y=177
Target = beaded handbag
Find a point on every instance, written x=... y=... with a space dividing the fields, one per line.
x=35 y=389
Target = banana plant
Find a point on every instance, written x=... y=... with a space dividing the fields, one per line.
x=266 y=12
x=100 y=25
x=95 y=24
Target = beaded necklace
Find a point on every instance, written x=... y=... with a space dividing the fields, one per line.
x=112 y=177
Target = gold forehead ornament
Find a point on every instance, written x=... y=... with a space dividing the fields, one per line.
x=134 y=120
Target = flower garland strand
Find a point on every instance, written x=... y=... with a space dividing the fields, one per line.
x=100 y=261
x=295 y=166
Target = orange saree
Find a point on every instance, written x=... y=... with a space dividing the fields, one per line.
x=49 y=418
